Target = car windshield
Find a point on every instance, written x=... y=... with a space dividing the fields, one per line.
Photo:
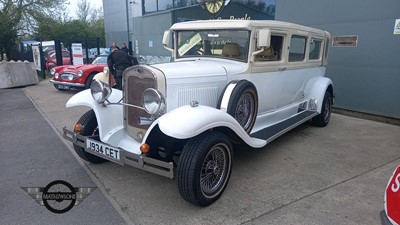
x=64 y=54
x=232 y=44
x=100 y=60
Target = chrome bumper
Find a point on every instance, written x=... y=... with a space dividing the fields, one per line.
x=67 y=83
x=143 y=162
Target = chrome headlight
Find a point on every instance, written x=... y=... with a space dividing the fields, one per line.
x=106 y=70
x=153 y=102
x=100 y=91
x=80 y=73
x=52 y=71
x=56 y=75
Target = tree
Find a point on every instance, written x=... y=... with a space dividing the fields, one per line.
x=19 y=17
x=85 y=29
x=83 y=10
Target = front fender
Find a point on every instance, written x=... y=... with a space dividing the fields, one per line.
x=187 y=122
x=316 y=90
x=109 y=118
x=102 y=77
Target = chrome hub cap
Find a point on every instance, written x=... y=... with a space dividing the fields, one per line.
x=245 y=110
x=214 y=170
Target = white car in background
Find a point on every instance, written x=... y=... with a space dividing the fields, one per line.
x=231 y=82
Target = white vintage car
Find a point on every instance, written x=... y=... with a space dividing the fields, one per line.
x=231 y=82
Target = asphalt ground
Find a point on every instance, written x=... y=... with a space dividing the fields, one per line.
x=32 y=155
x=332 y=175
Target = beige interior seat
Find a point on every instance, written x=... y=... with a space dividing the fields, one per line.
x=231 y=50
x=267 y=55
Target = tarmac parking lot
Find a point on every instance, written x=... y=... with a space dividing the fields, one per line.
x=332 y=175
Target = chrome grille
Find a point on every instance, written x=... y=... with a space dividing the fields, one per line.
x=67 y=76
x=136 y=80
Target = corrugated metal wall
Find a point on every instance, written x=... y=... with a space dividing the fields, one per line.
x=366 y=77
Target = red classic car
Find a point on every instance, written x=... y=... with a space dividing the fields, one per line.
x=77 y=76
x=51 y=60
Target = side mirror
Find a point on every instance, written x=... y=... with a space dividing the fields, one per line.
x=264 y=38
x=165 y=40
x=263 y=42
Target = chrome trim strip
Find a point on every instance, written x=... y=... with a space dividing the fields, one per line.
x=67 y=83
x=142 y=162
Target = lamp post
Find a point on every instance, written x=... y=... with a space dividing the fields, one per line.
x=127 y=25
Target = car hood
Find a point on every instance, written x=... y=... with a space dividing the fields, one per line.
x=200 y=68
x=75 y=68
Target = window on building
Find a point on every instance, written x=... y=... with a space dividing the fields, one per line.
x=164 y=4
x=150 y=6
x=315 y=49
x=161 y=5
x=263 y=6
x=297 y=48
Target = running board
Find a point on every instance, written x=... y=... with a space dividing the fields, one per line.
x=273 y=132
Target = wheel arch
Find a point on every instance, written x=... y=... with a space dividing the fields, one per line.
x=186 y=122
x=108 y=118
x=89 y=78
x=316 y=89
x=157 y=139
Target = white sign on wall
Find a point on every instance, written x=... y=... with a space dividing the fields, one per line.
x=397 y=27
x=77 y=53
x=36 y=57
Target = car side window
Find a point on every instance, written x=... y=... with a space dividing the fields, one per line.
x=65 y=54
x=273 y=52
x=297 y=48
x=315 y=49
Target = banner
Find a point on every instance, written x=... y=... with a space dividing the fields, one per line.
x=36 y=57
x=77 y=53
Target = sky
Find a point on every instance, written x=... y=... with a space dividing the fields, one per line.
x=95 y=4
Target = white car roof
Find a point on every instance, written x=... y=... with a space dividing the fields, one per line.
x=242 y=24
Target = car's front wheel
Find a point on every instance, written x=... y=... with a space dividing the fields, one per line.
x=89 y=128
x=89 y=80
x=204 y=168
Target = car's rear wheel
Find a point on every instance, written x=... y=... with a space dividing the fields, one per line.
x=204 y=168
x=89 y=128
x=323 y=118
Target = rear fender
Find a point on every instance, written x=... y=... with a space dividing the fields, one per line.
x=187 y=122
x=316 y=90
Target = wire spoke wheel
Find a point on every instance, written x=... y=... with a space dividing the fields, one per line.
x=214 y=170
x=204 y=168
x=241 y=102
x=245 y=110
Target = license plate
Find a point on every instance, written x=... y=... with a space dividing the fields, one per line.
x=102 y=149
x=64 y=87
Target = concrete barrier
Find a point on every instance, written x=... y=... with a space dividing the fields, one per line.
x=15 y=74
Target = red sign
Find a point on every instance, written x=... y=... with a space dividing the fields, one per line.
x=392 y=198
